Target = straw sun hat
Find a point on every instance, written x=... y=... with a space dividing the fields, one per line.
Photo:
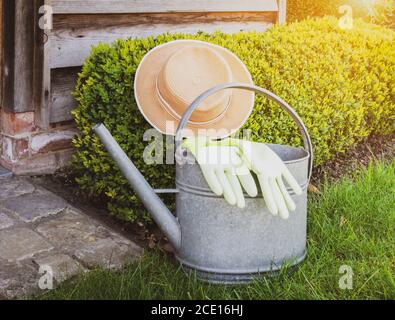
x=172 y=75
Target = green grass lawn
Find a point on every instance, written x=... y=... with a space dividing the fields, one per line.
x=350 y=223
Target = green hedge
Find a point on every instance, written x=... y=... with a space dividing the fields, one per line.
x=340 y=82
x=375 y=11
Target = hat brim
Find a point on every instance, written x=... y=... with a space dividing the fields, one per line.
x=237 y=113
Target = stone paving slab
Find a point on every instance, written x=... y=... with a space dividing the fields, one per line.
x=34 y=206
x=17 y=280
x=89 y=242
x=68 y=231
x=62 y=266
x=37 y=228
x=5 y=221
x=105 y=253
x=21 y=243
x=11 y=188
x=5 y=173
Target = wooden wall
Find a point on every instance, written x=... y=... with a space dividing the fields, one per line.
x=21 y=55
x=79 y=24
x=1 y=54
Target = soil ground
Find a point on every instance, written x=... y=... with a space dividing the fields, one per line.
x=374 y=147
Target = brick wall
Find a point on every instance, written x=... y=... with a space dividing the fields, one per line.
x=25 y=149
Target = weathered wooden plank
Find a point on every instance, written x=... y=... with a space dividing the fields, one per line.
x=8 y=55
x=8 y=36
x=42 y=111
x=144 y=6
x=19 y=55
x=71 y=50
x=63 y=82
x=42 y=80
x=1 y=53
x=282 y=11
x=72 y=44
x=24 y=55
x=95 y=21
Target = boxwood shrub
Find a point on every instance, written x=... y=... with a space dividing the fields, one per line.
x=341 y=82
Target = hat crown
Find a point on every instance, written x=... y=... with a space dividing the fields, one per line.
x=188 y=73
x=163 y=101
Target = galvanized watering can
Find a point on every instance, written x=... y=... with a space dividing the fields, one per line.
x=222 y=243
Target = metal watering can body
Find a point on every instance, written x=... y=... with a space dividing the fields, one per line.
x=222 y=243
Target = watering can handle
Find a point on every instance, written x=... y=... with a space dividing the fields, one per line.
x=268 y=94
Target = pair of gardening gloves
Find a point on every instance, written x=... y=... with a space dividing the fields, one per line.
x=227 y=165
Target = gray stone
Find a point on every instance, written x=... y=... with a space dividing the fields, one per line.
x=5 y=173
x=5 y=221
x=106 y=253
x=63 y=267
x=65 y=240
x=11 y=188
x=36 y=205
x=91 y=243
x=21 y=243
x=68 y=231
x=17 y=280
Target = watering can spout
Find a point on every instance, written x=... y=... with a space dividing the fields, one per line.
x=160 y=213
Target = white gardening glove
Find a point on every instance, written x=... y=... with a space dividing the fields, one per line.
x=223 y=169
x=270 y=170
